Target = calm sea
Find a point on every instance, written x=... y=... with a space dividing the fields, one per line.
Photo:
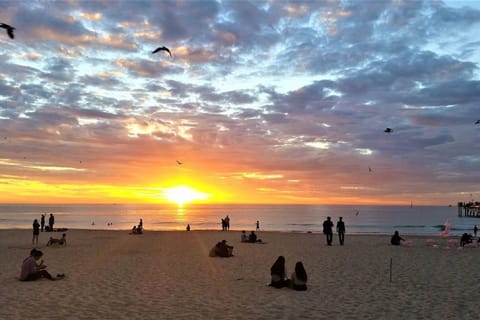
x=416 y=220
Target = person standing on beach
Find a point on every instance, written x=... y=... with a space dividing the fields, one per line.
x=42 y=222
x=227 y=222
x=475 y=229
x=36 y=232
x=341 y=230
x=328 y=230
x=258 y=225
x=51 y=222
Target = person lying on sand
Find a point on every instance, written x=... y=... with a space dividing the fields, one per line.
x=31 y=271
x=61 y=242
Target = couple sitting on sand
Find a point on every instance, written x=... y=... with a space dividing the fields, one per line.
x=221 y=249
x=297 y=281
x=32 y=271
x=61 y=242
x=251 y=238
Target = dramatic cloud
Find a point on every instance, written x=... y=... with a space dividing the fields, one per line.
x=263 y=101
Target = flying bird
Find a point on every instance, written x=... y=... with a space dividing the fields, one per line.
x=9 y=29
x=179 y=163
x=162 y=48
x=477 y=122
x=370 y=169
x=388 y=130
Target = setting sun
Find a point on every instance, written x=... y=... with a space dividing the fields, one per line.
x=184 y=194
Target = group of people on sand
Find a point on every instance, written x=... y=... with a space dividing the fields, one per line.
x=138 y=229
x=37 y=227
x=328 y=230
x=51 y=222
x=221 y=249
x=251 y=238
x=298 y=278
x=226 y=223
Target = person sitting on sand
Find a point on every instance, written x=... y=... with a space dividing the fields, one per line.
x=298 y=280
x=32 y=271
x=62 y=241
x=222 y=249
x=396 y=239
x=244 y=237
x=278 y=273
x=466 y=239
x=253 y=238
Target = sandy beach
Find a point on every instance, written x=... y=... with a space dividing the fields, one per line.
x=169 y=275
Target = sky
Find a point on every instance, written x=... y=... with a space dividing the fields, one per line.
x=260 y=102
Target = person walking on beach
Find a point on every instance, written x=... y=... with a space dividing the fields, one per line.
x=341 y=230
x=475 y=229
x=42 y=222
x=36 y=232
x=328 y=230
x=51 y=222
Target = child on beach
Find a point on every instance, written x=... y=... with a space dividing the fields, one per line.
x=32 y=271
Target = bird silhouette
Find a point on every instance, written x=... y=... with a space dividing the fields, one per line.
x=179 y=162
x=9 y=29
x=477 y=122
x=370 y=169
x=162 y=48
x=388 y=130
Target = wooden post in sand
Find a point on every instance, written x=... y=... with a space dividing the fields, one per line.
x=391 y=264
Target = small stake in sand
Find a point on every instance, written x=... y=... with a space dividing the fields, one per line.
x=391 y=263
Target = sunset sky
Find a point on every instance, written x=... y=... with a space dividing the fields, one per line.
x=262 y=102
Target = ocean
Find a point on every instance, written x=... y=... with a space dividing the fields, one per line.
x=416 y=220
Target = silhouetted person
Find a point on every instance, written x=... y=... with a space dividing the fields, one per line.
x=252 y=237
x=36 y=232
x=298 y=280
x=328 y=230
x=188 y=227
x=42 y=222
x=227 y=222
x=258 y=225
x=278 y=273
x=465 y=239
x=475 y=229
x=341 y=230
x=396 y=239
x=32 y=271
x=51 y=221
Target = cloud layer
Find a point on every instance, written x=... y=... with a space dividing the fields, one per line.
x=262 y=101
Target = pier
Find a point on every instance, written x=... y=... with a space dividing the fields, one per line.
x=470 y=209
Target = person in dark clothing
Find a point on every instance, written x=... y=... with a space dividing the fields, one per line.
x=298 y=280
x=465 y=239
x=42 y=222
x=36 y=232
x=278 y=273
x=328 y=230
x=51 y=222
x=252 y=237
x=475 y=230
x=396 y=239
x=341 y=230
